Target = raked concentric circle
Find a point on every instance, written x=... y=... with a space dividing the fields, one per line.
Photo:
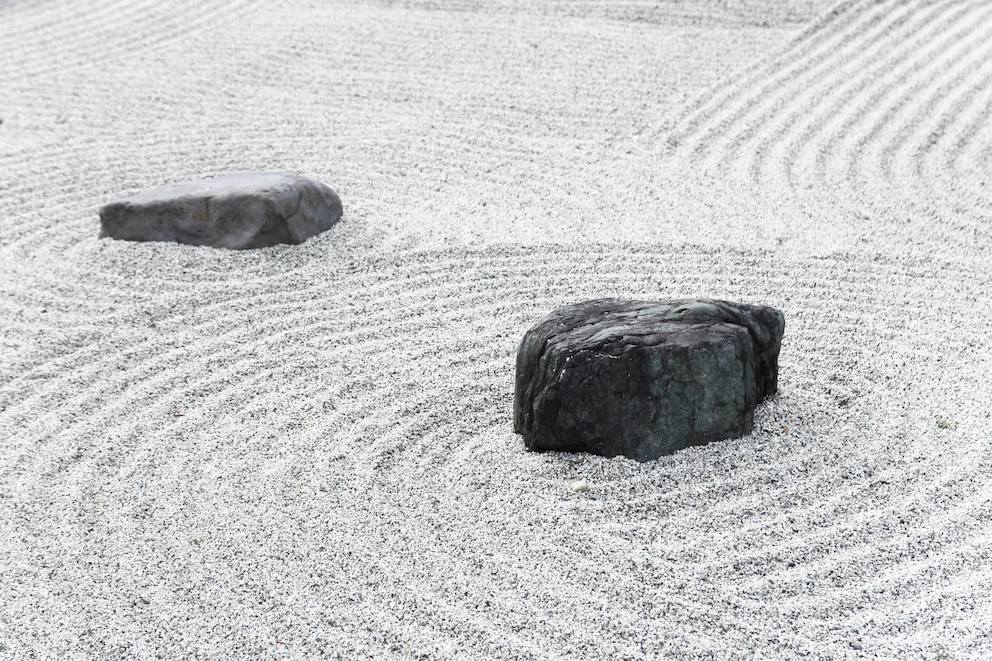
x=292 y=450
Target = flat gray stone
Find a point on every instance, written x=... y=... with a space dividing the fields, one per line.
x=644 y=379
x=238 y=210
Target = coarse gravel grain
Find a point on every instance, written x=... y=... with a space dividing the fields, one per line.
x=307 y=451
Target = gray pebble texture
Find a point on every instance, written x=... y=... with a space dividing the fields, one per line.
x=306 y=451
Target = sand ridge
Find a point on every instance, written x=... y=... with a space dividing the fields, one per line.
x=307 y=451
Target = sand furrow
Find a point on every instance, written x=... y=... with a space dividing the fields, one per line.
x=855 y=120
x=762 y=13
x=307 y=451
x=97 y=35
x=278 y=90
x=357 y=418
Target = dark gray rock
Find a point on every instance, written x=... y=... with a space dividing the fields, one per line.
x=239 y=210
x=644 y=379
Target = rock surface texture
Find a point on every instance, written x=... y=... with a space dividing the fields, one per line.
x=239 y=210
x=644 y=379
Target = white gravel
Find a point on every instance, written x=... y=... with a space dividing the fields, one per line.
x=307 y=452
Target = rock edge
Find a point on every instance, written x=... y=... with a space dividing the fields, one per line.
x=644 y=379
x=240 y=210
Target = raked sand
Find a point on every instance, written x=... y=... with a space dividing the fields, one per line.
x=307 y=452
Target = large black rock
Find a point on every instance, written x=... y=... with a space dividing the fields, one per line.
x=644 y=379
x=238 y=210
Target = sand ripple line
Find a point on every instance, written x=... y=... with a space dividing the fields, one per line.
x=878 y=117
x=356 y=436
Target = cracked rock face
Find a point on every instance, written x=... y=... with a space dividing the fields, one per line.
x=644 y=379
x=239 y=210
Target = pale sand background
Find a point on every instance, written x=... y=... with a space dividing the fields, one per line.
x=306 y=451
